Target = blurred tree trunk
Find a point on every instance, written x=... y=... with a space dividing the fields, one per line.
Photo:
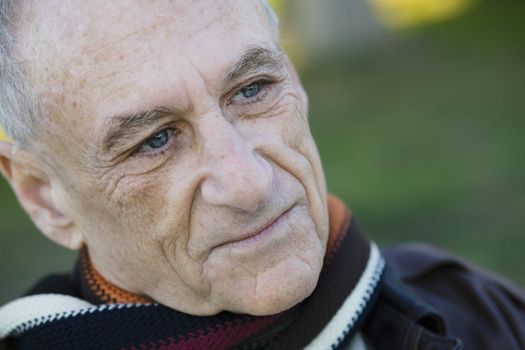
x=329 y=27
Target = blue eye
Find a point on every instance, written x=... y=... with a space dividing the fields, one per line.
x=251 y=90
x=156 y=141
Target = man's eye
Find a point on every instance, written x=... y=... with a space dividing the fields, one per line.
x=249 y=91
x=157 y=141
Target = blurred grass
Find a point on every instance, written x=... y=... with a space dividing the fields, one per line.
x=423 y=138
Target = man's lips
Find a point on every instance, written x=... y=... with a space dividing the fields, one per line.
x=257 y=234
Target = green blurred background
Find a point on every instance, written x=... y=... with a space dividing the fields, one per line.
x=420 y=125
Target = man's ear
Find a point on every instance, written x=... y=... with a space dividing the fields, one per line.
x=36 y=194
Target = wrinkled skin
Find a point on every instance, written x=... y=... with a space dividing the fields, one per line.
x=216 y=203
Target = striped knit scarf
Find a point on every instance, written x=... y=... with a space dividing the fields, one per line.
x=109 y=318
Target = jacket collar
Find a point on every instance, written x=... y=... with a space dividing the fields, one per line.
x=401 y=320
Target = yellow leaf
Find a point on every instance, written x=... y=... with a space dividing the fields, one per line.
x=409 y=13
x=3 y=136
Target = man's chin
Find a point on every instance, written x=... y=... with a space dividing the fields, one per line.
x=276 y=291
x=271 y=305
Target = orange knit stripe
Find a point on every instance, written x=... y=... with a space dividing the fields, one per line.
x=339 y=219
x=106 y=291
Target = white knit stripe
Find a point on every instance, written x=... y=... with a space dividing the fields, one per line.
x=31 y=309
x=30 y=312
x=344 y=319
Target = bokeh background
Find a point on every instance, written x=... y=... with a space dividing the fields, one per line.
x=418 y=108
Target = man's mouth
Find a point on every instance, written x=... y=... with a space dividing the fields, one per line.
x=260 y=234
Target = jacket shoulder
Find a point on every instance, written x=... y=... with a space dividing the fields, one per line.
x=484 y=310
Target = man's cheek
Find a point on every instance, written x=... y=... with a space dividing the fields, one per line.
x=288 y=125
x=136 y=202
x=296 y=132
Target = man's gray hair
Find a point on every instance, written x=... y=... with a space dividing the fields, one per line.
x=20 y=111
x=18 y=106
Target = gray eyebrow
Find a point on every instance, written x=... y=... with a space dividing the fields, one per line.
x=255 y=59
x=122 y=126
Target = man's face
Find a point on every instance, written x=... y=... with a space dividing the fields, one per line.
x=183 y=153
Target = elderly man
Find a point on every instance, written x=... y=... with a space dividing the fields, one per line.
x=168 y=141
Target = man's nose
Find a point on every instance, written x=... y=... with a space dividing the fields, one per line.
x=237 y=176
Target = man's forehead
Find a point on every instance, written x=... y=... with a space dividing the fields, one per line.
x=89 y=42
x=83 y=27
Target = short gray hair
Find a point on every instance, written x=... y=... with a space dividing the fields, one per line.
x=20 y=110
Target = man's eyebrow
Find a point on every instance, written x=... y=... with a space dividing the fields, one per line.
x=122 y=126
x=255 y=59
